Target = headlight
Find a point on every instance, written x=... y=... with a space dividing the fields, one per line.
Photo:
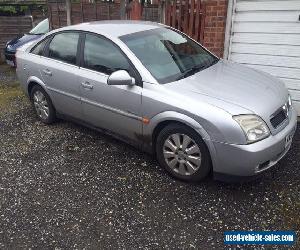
x=253 y=126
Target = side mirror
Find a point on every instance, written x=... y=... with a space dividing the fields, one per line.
x=120 y=77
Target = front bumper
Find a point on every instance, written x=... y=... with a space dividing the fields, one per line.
x=10 y=56
x=250 y=160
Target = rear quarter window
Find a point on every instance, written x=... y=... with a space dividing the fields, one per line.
x=39 y=48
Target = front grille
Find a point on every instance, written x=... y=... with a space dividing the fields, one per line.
x=277 y=119
x=9 y=55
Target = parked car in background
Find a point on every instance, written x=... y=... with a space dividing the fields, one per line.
x=156 y=88
x=11 y=46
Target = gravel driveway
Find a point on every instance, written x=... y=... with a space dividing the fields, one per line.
x=65 y=186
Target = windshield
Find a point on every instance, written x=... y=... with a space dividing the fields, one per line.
x=41 y=28
x=168 y=55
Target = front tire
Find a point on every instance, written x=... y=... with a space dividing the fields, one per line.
x=183 y=153
x=42 y=105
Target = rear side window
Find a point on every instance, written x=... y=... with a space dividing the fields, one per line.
x=39 y=48
x=63 y=47
x=103 y=56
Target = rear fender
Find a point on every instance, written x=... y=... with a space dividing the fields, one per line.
x=34 y=79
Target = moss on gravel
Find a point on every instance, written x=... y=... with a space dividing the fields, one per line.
x=8 y=94
x=7 y=74
x=10 y=89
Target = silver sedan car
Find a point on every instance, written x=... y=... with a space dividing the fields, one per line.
x=154 y=87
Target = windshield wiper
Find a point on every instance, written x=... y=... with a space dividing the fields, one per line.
x=196 y=69
x=192 y=71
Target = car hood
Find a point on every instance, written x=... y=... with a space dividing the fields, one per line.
x=238 y=85
x=21 y=40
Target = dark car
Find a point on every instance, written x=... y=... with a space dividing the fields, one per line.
x=11 y=46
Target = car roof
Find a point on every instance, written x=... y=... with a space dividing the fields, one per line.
x=114 y=28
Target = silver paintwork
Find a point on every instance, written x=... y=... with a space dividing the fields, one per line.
x=120 y=77
x=182 y=154
x=205 y=101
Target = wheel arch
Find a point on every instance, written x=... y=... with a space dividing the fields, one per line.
x=162 y=120
x=32 y=81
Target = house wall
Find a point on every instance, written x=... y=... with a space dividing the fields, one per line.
x=215 y=23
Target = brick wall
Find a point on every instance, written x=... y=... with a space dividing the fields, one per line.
x=215 y=22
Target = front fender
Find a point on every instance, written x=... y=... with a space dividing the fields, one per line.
x=178 y=117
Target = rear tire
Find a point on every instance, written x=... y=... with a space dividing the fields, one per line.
x=183 y=153
x=42 y=105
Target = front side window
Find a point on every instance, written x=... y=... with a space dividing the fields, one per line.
x=103 y=56
x=168 y=55
x=63 y=47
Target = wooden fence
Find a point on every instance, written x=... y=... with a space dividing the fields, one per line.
x=187 y=16
x=82 y=12
x=184 y=15
x=11 y=27
x=150 y=12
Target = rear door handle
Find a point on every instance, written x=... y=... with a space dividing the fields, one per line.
x=47 y=72
x=87 y=85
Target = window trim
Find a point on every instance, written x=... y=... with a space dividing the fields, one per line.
x=46 y=49
x=137 y=76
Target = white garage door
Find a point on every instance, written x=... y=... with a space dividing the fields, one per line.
x=266 y=35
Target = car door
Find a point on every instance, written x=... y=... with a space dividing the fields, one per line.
x=60 y=73
x=113 y=108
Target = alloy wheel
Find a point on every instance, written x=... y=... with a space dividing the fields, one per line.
x=41 y=105
x=182 y=154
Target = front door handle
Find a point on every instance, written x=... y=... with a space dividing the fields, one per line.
x=47 y=72
x=87 y=85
